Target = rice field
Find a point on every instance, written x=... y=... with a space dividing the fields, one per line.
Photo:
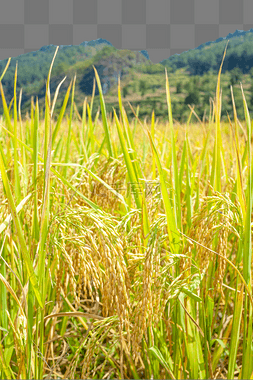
x=126 y=248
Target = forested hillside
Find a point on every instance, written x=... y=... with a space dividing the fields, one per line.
x=192 y=77
x=208 y=56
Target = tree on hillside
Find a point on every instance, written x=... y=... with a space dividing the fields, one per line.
x=196 y=81
x=125 y=91
x=235 y=75
x=206 y=98
x=189 y=86
x=153 y=88
x=143 y=87
x=192 y=97
x=251 y=94
x=60 y=69
x=179 y=87
x=251 y=72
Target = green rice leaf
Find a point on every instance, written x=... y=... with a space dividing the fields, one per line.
x=15 y=217
x=103 y=111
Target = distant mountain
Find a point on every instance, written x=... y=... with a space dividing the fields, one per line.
x=94 y=43
x=33 y=68
x=208 y=55
x=145 y=53
x=99 y=41
x=237 y=33
x=110 y=63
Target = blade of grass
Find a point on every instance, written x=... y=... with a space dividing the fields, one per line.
x=138 y=192
x=63 y=108
x=23 y=151
x=17 y=191
x=218 y=141
x=35 y=173
x=176 y=186
x=15 y=217
x=128 y=135
x=118 y=195
x=235 y=332
x=103 y=111
x=5 y=69
x=247 y=253
x=44 y=222
x=18 y=209
x=158 y=355
x=69 y=130
x=171 y=222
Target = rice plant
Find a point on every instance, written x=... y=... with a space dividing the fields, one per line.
x=126 y=248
